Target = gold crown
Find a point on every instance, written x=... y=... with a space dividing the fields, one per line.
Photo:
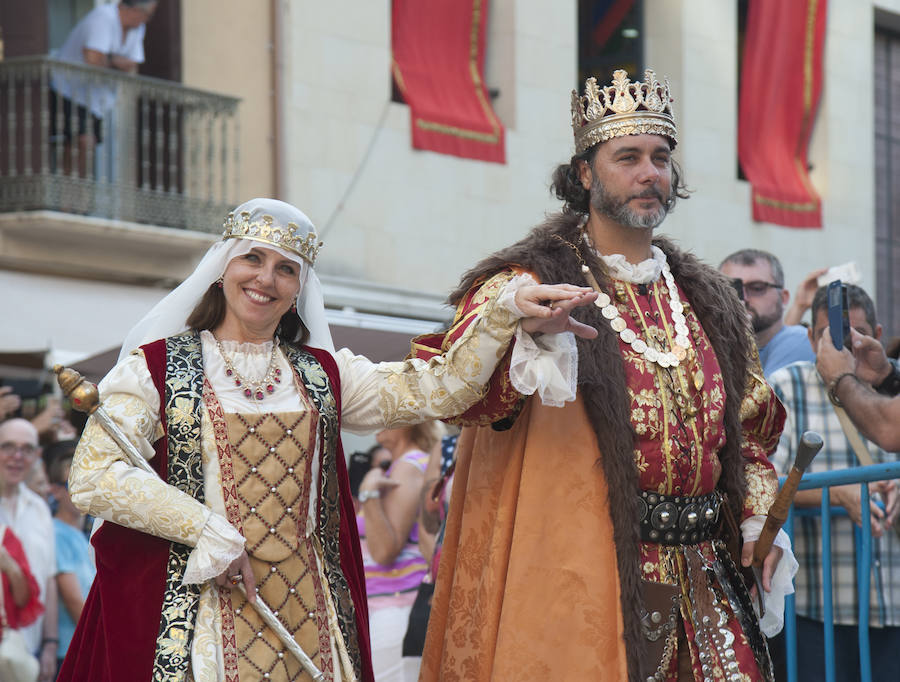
x=289 y=237
x=623 y=108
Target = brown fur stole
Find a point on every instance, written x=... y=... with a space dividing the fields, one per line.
x=601 y=381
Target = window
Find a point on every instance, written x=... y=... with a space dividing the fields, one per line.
x=610 y=37
x=887 y=178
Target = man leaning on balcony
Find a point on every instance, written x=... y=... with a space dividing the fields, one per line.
x=109 y=36
x=808 y=397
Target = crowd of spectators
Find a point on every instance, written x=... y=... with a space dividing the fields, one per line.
x=45 y=562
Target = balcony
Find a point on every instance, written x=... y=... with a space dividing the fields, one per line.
x=168 y=156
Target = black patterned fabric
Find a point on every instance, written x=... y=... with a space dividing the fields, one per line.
x=183 y=407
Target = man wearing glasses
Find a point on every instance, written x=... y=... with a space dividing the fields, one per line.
x=759 y=279
x=29 y=518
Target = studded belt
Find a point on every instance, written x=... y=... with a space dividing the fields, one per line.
x=671 y=520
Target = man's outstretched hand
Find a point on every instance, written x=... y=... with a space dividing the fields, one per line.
x=547 y=308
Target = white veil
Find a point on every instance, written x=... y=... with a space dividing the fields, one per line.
x=169 y=316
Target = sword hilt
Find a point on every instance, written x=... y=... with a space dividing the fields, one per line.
x=809 y=446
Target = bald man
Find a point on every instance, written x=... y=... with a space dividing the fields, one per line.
x=29 y=517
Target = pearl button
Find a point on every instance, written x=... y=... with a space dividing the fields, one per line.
x=237 y=612
x=290 y=470
x=274 y=613
x=253 y=469
x=280 y=654
x=272 y=449
x=266 y=675
x=259 y=634
x=272 y=530
x=252 y=510
x=252 y=429
x=312 y=614
x=290 y=432
x=292 y=590
x=273 y=570
x=288 y=510
x=273 y=488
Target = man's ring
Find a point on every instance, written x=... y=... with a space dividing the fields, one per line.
x=235 y=579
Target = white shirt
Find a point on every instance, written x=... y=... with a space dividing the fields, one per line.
x=30 y=520
x=99 y=30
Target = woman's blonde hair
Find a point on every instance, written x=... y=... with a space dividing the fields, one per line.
x=426 y=435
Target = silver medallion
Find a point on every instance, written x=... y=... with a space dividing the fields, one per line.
x=628 y=336
x=610 y=312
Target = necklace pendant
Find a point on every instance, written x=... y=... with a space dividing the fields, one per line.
x=229 y=372
x=270 y=388
x=699 y=379
x=237 y=382
x=260 y=395
x=248 y=392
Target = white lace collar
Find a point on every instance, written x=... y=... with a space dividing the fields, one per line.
x=644 y=272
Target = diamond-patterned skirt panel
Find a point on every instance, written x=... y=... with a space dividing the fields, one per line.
x=270 y=479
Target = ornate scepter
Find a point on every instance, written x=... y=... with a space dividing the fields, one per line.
x=86 y=398
x=810 y=444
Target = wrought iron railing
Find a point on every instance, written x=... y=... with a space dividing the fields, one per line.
x=166 y=154
x=864 y=548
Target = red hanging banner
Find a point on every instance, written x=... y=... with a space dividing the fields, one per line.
x=781 y=82
x=438 y=64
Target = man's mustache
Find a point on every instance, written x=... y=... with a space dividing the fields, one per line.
x=651 y=193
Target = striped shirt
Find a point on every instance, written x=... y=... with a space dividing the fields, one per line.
x=804 y=395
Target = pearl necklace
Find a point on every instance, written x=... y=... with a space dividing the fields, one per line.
x=254 y=388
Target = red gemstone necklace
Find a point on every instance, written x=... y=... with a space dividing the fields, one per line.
x=254 y=389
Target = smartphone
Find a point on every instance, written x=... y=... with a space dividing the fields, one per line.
x=27 y=389
x=838 y=314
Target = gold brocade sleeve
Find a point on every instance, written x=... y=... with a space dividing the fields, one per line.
x=499 y=399
x=762 y=420
x=435 y=385
x=102 y=483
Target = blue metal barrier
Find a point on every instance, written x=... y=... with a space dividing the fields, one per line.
x=826 y=480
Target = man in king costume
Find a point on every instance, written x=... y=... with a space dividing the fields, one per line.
x=584 y=538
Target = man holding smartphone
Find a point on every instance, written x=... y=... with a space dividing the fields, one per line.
x=808 y=398
x=867 y=384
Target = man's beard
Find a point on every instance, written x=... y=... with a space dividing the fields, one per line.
x=762 y=323
x=620 y=211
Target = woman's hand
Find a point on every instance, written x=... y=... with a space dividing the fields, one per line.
x=239 y=571
x=375 y=481
x=547 y=308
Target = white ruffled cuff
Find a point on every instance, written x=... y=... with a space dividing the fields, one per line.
x=782 y=580
x=219 y=545
x=546 y=364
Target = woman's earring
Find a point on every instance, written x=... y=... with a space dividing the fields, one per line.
x=294 y=308
x=219 y=282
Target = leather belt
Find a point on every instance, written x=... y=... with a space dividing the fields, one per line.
x=671 y=520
